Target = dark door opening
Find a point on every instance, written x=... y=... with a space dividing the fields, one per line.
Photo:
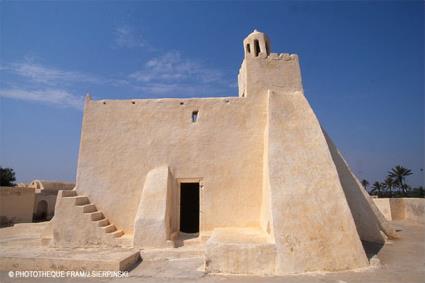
x=41 y=212
x=189 y=207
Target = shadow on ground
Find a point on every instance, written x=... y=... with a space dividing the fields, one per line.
x=371 y=249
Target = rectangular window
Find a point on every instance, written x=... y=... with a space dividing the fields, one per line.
x=195 y=116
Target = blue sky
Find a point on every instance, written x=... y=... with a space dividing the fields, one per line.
x=362 y=65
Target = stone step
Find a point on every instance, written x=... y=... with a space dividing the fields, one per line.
x=117 y=234
x=100 y=220
x=192 y=268
x=187 y=240
x=69 y=193
x=110 y=228
x=88 y=208
x=103 y=222
x=172 y=253
x=79 y=260
x=81 y=200
x=192 y=242
x=95 y=216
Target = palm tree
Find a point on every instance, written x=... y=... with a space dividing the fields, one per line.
x=399 y=174
x=389 y=184
x=365 y=183
x=377 y=187
x=7 y=177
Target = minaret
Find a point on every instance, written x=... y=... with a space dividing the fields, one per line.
x=257 y=45
x=262 y=70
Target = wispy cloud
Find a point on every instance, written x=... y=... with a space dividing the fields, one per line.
x=127 y=37
x=168 y=74
x=57 y=97
x=172 y=67
x=48 y=75
x=172 y=72
x=38 y=83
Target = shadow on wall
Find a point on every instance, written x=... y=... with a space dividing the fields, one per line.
x=41 y=212
x=371 y=249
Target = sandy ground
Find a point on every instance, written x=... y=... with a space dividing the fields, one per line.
x=402 y=260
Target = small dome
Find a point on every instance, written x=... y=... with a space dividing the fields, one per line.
x=256 y=33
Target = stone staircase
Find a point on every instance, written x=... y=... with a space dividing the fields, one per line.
x=95 y=216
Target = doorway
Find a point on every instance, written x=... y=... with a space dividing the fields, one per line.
x=41 y=211
x=189 y=207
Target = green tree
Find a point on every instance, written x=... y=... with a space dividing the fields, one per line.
x=7 y=177
x=377 y=187
x=389 y=185
x=399 y=174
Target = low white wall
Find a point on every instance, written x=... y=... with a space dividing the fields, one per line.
x=414 y=209
x=16 y=205
x=383 y=205
x=402 y=208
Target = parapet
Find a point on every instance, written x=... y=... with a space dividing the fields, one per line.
x=283 y=56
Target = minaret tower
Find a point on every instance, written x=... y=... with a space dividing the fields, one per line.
x=262 y=70
x=257 y=45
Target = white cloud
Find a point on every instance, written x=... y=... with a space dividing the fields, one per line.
x=171 y=73
x=43 y=84
x=172 y=67
x=57 y=97
x=48 y=75
x=164 y=75
x=127 y=37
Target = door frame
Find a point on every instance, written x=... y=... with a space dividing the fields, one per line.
x=201 y=191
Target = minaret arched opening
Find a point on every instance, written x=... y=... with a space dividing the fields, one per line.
x=256 y=47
